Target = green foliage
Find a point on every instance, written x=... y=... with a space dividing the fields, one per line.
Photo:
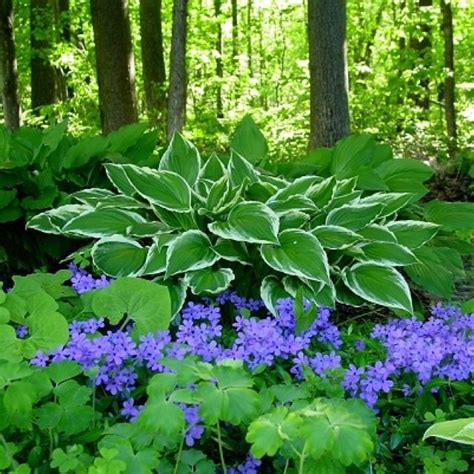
x=203 y=221
x=459 y=431
x=41 y=168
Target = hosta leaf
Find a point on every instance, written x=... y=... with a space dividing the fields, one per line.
x=350 y=154
x=144 y=302
x=240 y=169
x=118 y=177
x=182 y=158
x=232 y=251
x=271 y=290
x=321 y=193
x=213 y=168
x=387 y=253
x=155 y=262
x=405 y=175
x=162 y=188
x=355 y=216
x=379 y=284
x=298 y=253
x=250 y=221
x=335 y=237
x=378 y=233
x=298 y=186
x=297 y=202
x=249 y=141
x=413 y=234
x=451 y=215
x=117 y=256
x=436 y=270
x=458 y=431
x=392 y=202
x=102 y=223
x=209 y=280
x=52 y=221
x=192 y=250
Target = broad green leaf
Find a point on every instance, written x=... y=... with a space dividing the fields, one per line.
x=335 y=237
x=405 y=175
x=350 y=154
x=435 y=272
x=182 y=158
x=9 y=344
x=209 y=280
x=392 y=202
x=103 y=223
x=232 y=251
x=192 y=250
x=297 y=202
x=378 y=233
x=155 y=262
x=117 y=256
x=162 y=188
x=249 y=141
x=298 y=253
x=298 y=186
x=379 y=284
x=413 y=234
x=213 y=168
x=265 y=434
x=52 y=221
x=63 y=370
x=355 y=216
x=250 y=221
x=48 y=330
x=240 y=169
x=144 y=302
x=6 y=197
x=451 y=215
x=118 y=177
x=84 y=151
x=271 y=290
x=458 y=431
x=318 y=434
x=18 y=401
x=71 y=394
x=321 y=193
x=387 y=253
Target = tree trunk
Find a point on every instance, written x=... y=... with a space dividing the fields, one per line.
x=219 y=63
x=63 y=26
x=449 y=80
x=115 y=64
x=329 y=104
x=235 y=32
x=249 y=37
x=178 y=80
x=9 y=78
x=44 y=89
x=154 y=72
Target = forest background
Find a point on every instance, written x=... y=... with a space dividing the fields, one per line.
x=251 y=57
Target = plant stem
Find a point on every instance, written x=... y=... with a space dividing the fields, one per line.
x=221 y=450
x=178 y=456
x=287 y=464
x=302 y=458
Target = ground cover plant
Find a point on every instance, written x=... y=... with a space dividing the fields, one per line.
x=107 y=386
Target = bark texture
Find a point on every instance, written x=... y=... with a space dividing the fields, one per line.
x=44 y=88
x=219 y=63
x=449 y=80
x=8 y=71
x=115 y=64
x=178 y=79
x=154 y=72
x=329 y=104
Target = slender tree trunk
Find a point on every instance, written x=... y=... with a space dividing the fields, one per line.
x=178 y=79
x=249 y=37
x=219 y=63
x=9 y=78
x=449 y=80
x=235 y=32
x=44 y=89
x=422 y=46
x=154 y=72
x=329 y=104
x=63 y=26
x=115 y=64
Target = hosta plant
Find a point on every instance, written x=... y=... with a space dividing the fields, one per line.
x=204 y=224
